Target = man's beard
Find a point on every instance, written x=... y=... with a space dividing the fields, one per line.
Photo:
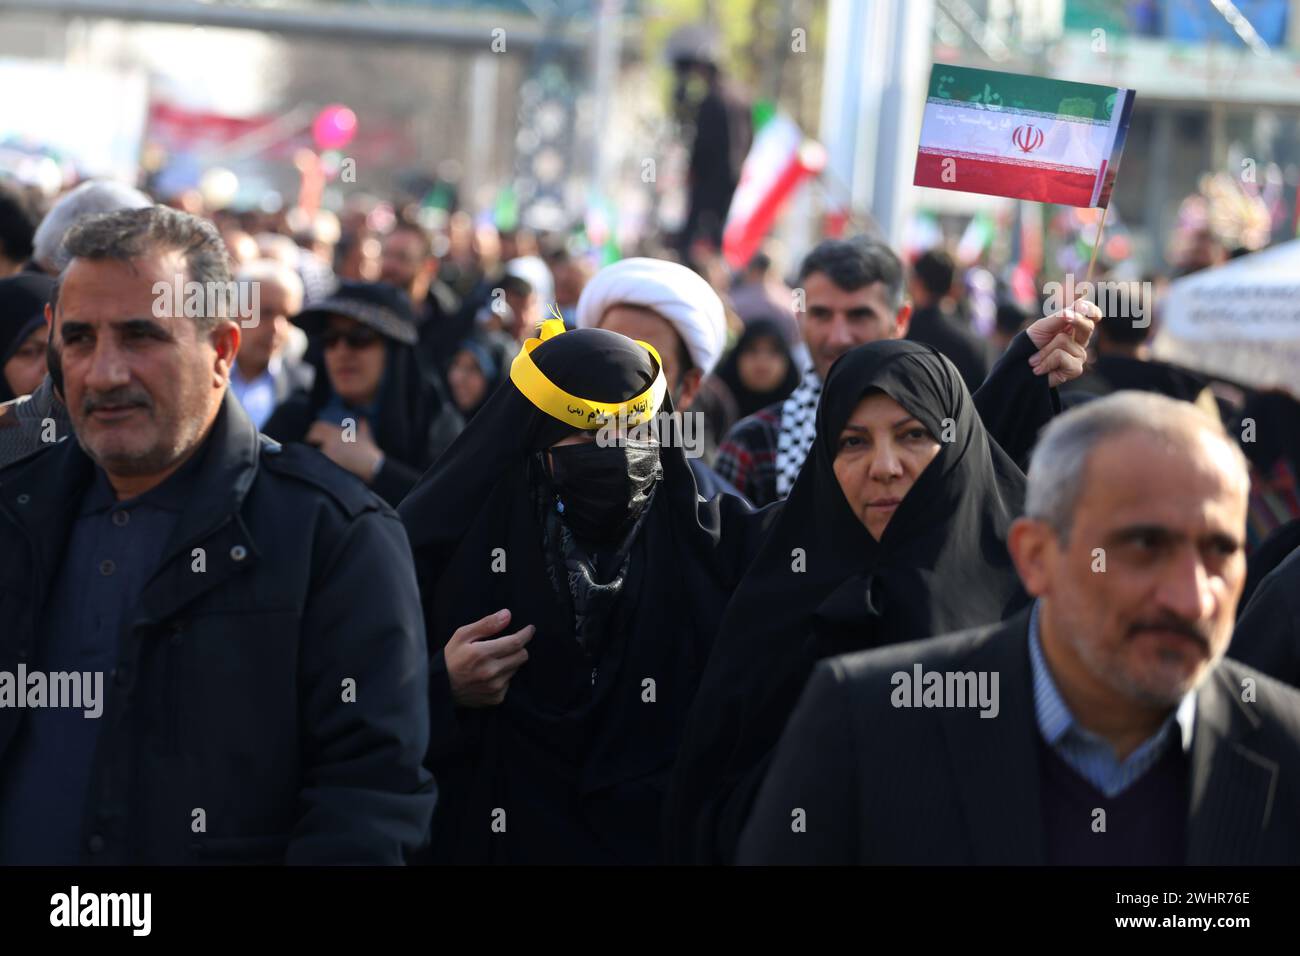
x=1159 y=688
x=172 y=441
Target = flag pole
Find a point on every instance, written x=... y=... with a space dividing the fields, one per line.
x=1096 y=245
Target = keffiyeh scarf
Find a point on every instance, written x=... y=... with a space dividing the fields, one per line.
x=798 y=430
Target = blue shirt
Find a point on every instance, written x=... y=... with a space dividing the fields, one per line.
x=257 y=396
x=114 y=547
x=1089 y=755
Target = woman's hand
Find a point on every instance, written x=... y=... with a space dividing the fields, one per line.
x=359 y=454
x=479 y=669
x=1062 y=341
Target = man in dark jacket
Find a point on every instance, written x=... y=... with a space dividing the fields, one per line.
x=239 y=621
x=933 y=323
x=1268 y=632
x=1100 y=726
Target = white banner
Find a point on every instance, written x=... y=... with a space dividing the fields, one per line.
x=1240 y=320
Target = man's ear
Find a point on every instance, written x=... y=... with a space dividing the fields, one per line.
x=902 y=320
x=690 y=387
x=1034 y=550
x=225 y=339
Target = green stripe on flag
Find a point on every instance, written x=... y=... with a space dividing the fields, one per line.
x=1011 y=91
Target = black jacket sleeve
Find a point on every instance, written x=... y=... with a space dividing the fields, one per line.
x=1267 y=637
x=1014 y=403
x=366 y=797
x=807 y=808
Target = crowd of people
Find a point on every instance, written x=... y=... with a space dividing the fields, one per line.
x=455 y=549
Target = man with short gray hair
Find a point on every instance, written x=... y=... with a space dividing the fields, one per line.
x=1122 y=735
x=208 y=584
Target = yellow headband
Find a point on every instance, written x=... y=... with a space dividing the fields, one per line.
x=582 y=412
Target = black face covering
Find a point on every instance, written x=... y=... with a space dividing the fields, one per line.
x=603 y=490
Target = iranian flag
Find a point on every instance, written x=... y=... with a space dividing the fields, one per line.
x=1026 y=137
x=778 y=161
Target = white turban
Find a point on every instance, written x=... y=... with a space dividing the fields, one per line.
x=668 y=289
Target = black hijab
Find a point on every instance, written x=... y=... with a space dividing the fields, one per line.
x=822 y=585
x=575 y=755
x=480 y=349
x=747 y=400
x=22 y=310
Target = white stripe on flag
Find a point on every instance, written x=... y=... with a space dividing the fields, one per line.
x=991 y=134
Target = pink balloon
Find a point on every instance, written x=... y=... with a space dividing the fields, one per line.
x=334 y=127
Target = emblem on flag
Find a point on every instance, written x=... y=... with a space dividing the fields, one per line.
x=1028 y=138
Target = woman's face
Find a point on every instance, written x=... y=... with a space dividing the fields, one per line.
x=466 y=380
x=354 y=359
x=762 y=366
x=880 y=453
x=26 y=367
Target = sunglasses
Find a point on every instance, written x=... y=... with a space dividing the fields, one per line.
x=358 y=338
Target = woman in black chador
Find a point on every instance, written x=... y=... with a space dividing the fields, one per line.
x=894 y=531
x=555 y=726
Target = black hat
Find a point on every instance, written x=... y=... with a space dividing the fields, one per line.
x=380 y=306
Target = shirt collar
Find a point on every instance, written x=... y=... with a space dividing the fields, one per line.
x=1055 y=720
x=269 y=373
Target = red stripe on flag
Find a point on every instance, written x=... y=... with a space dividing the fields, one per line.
x=1005 y=179
x=741 y=240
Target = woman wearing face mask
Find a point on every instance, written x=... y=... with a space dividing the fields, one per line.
x=555 y=722
x=370 y=410
x=894 y=531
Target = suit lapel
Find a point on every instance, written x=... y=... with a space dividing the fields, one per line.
x=1233 y=787
x=994 y=760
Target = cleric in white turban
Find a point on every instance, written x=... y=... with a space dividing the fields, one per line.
x=667 y=305
x=676 y=311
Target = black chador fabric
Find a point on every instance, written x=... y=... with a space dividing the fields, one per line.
x=822 y=585
x=573 y=765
